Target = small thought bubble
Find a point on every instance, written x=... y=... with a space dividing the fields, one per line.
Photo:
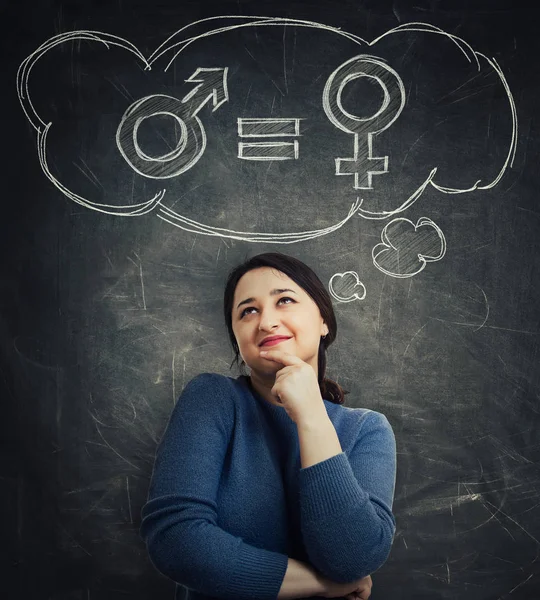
x=346 y=287
x=406 y=247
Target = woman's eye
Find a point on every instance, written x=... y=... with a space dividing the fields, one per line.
x=253 y=308
x=287 y=298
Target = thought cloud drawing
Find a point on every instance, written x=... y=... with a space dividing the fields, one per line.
x=234 y=153
x=406 y=248
x=346 y=287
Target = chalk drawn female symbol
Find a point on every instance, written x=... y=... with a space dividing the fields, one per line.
x=363 y=165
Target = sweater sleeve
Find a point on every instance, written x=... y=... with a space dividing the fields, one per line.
x=179 y=520
x=346 y=504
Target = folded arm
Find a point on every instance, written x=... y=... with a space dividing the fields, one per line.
x=346 y=504
x=179 y=521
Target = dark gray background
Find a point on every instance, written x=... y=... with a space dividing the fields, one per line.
x=105 y=318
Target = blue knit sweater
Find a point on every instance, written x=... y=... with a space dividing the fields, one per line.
x=229 y=501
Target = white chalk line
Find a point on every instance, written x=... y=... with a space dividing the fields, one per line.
x=246 y=236
x=133 y=210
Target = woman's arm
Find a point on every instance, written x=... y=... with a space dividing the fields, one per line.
x=180 y=523
x=346 y=499
x=301 y=581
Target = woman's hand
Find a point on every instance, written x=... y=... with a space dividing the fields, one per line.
x=296 y=387
x=355 y=590
x=363 y=591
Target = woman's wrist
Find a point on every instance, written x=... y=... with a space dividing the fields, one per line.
x=301 y=580
x=322 y=584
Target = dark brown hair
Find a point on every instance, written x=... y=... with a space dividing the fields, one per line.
x=306 y=278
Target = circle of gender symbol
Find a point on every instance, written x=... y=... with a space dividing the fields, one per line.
x=372 y=68
x=189 y=148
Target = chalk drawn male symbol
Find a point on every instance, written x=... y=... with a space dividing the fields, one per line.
x=192 y=141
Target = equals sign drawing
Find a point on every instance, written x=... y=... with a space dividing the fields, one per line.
x=268 y=128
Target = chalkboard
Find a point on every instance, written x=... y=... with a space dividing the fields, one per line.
x=149 y=147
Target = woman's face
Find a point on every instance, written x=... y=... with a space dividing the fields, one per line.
x=291 y=313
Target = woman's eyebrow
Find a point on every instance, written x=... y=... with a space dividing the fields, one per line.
x=274 y=292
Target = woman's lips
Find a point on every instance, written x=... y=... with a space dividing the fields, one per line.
x=274 y=342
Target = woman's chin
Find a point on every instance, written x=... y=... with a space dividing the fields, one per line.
x=268 y=368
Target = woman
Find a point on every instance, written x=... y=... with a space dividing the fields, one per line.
x=266 y=486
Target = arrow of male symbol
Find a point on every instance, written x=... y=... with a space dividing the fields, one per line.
x=212 y=84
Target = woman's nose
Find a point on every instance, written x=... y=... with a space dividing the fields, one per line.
x=268 y=320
